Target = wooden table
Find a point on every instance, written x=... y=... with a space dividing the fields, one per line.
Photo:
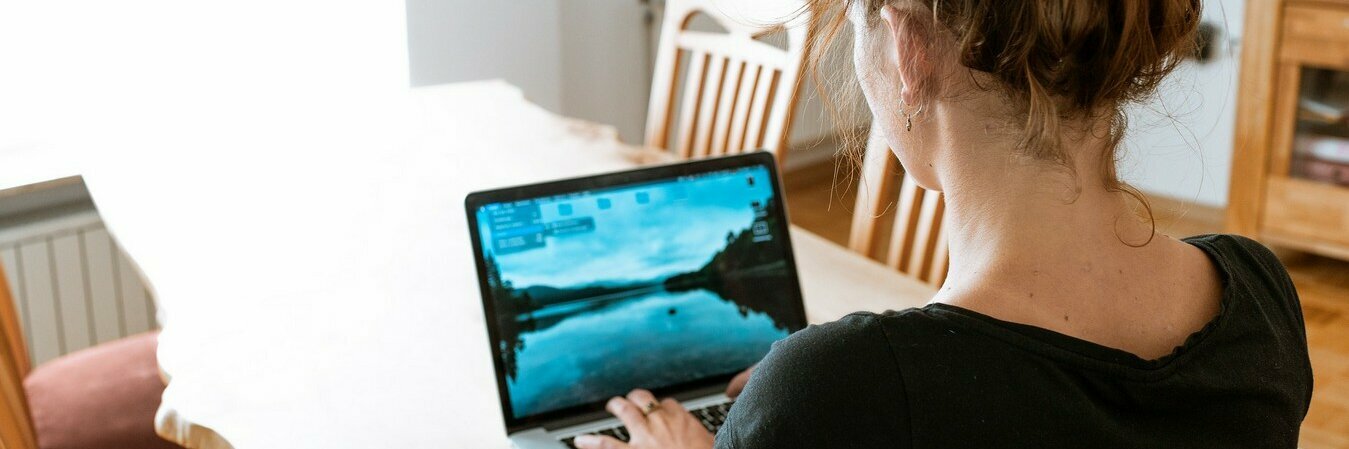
x=327 y=299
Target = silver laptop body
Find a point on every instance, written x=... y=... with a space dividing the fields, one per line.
x=671 y=278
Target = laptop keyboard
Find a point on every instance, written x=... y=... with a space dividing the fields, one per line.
x=711 y=417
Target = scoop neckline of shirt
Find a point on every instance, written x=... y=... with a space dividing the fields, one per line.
x=1059 y=345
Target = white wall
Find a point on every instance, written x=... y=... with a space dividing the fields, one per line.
x=606 y=74
x=464 y=40
x=579 y=58
x=1180 y=145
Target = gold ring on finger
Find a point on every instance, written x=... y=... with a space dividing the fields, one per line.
x=650 y=407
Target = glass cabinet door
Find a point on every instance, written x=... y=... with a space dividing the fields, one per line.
x=1321 y=135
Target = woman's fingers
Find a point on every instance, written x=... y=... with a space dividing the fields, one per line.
x=674 y=413
x=641 y=398
x=627 y=412
x=672 y=407
x=685 y=427
x=738 y=382
x=598 y=442
x=671 y=404
x=650 y=408
x=668 y=425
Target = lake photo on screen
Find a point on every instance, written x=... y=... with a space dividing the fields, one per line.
x=647 y=285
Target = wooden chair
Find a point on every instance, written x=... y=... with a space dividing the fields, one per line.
x=16 y=426
x=916 y=242
x=738 y=94
x=99 y=397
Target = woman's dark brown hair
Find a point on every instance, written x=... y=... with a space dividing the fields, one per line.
x=1055 y=60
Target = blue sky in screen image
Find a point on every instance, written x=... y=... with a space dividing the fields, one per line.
x=647 y=231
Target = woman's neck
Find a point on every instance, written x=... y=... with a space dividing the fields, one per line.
x=1013 y=222
x=1039 y=244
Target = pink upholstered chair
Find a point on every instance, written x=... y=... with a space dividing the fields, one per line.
x=100 y=397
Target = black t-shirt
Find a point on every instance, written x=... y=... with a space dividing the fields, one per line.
x=942 y=376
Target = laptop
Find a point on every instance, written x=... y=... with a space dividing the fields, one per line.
x=671 y=278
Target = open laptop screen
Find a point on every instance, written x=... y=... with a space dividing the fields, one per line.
x=653 y=283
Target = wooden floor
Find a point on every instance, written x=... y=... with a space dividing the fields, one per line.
x=824 y=206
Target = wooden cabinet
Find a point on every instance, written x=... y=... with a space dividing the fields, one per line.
x=1290 y=172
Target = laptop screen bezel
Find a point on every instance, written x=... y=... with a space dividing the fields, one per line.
x=476 y=200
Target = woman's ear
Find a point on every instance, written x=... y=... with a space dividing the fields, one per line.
x=911 y=37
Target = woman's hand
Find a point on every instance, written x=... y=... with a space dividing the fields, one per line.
x=737 y=384
x=665 y=426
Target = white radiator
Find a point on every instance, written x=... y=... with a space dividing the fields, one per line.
x=73 y=286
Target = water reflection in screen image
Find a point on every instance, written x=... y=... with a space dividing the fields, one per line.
x=571 y=344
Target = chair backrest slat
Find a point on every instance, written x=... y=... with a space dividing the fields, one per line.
x=762 y=112
x=708 y=106
x=749 y=79
x=916 y=238
x=754 y=121
x=738 y=94
x=905 y=225
x=730 y=91
x=16 y=425
x=925 y=235
x=941 y=259
x=688 y=112
x=873 y=191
